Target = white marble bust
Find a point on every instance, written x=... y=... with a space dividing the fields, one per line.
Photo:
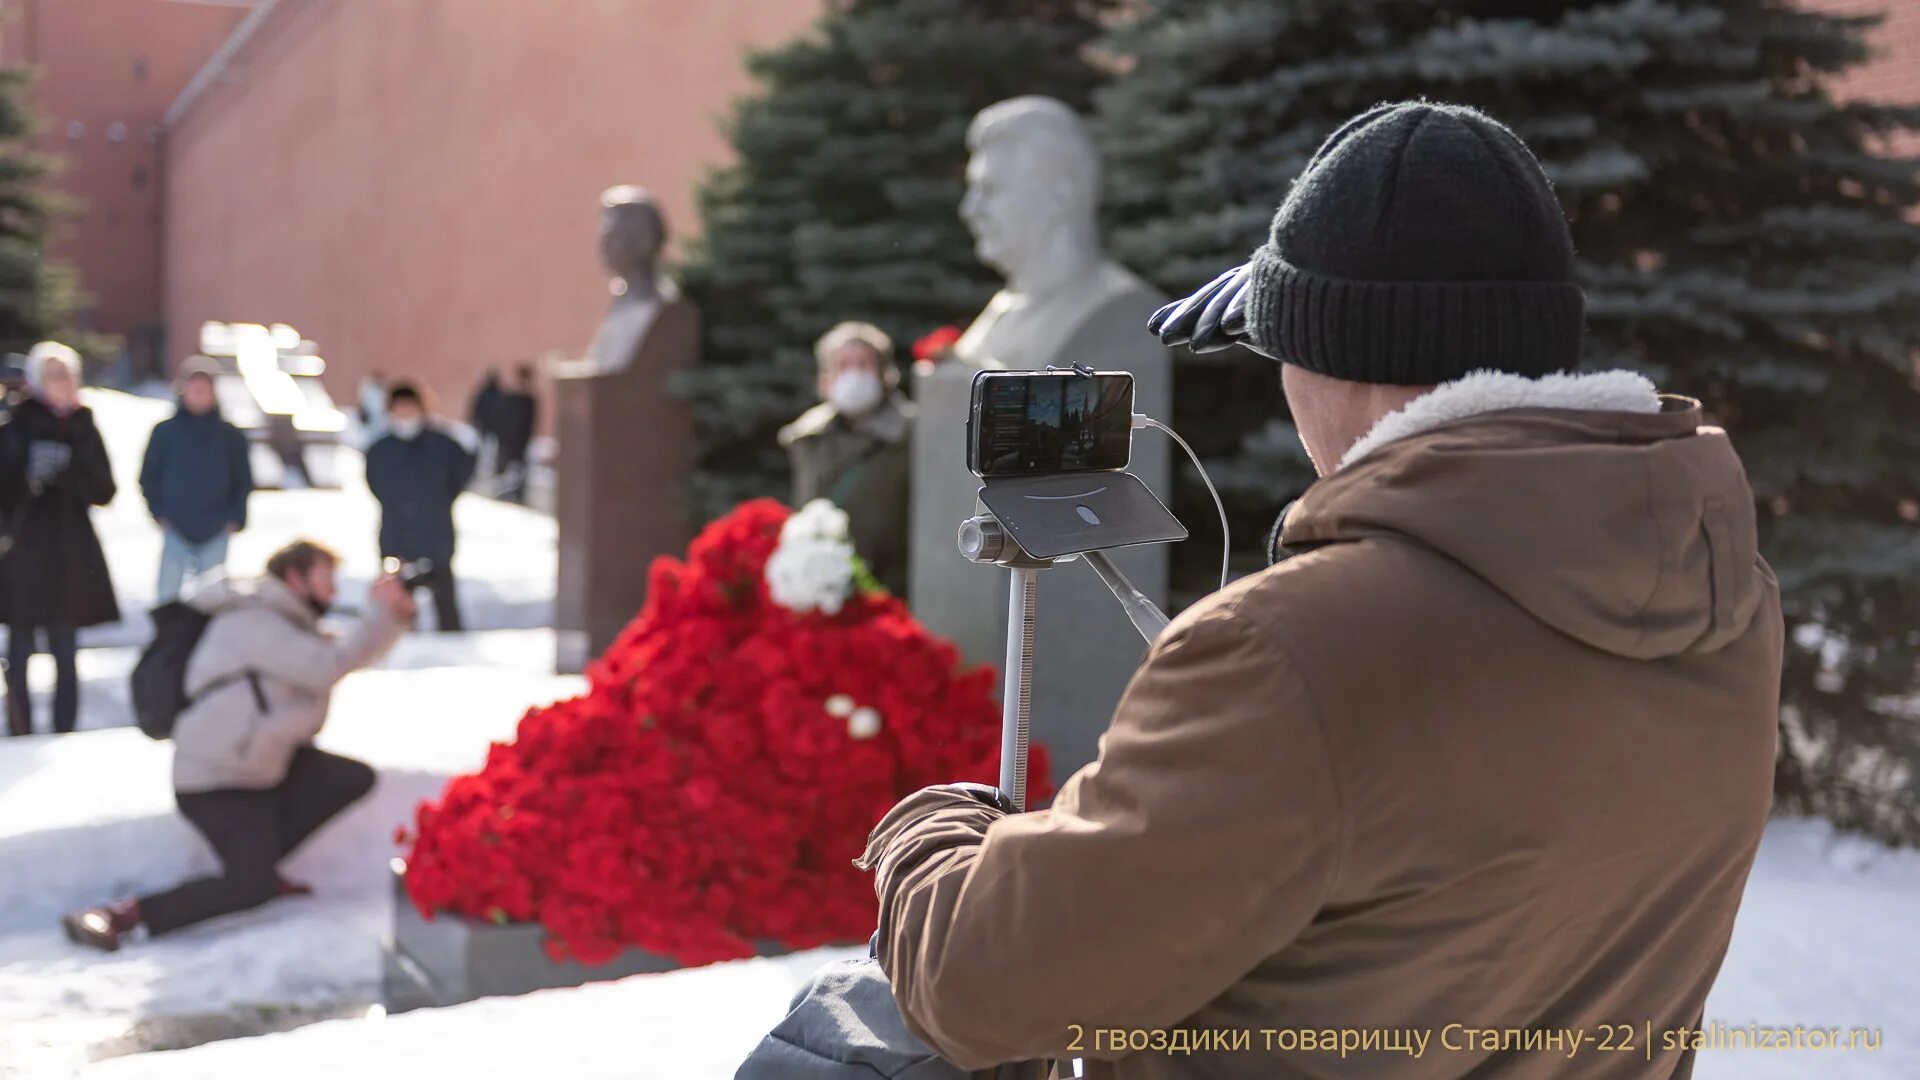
x=1032 y=203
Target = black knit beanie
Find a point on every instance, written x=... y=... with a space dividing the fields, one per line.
x=1422 y=242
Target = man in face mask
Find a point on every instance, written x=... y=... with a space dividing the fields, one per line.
x=417 y=471
x=852 y=448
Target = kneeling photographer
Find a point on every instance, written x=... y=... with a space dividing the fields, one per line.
x=258 y=679
x=1491 y=752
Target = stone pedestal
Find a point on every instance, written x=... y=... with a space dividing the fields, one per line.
x=449 y=959
x=625 y=447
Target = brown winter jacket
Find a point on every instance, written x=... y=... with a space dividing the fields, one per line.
x=1495 y=751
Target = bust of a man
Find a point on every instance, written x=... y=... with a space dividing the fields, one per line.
x=632 y=234
x=1032 y=203
x=615 y=408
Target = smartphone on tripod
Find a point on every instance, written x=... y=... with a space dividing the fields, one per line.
x=1035 y=423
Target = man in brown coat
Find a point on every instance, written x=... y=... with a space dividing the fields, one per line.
x=1468 y=785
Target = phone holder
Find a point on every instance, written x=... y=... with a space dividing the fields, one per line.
x=1034 y=521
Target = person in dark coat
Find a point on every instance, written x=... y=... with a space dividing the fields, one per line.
x=516 y=417
x=53 y=468
x=416 y=471
x=196 y=478
x=852 y=449
x=13 y=383
x=484 y=415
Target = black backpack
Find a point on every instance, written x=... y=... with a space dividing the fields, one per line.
x=159 y=682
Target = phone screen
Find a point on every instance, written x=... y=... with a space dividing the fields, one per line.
x=1043 y=422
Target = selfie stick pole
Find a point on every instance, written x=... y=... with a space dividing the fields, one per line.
x=1016 y=708
x=984 y=540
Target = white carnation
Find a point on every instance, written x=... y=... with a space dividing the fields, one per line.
x=812 y=568
x=818 y=520
x=864 y=723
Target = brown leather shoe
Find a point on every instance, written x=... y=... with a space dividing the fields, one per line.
x=102 y=928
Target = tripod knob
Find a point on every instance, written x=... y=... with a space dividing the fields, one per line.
x=982 y=539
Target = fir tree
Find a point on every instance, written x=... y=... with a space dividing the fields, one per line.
x=844 y=203
x=1743 y=239
x=36 y=297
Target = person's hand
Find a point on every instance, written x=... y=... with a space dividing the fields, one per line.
x=988 y=794
x=1212 y=319
x=46 y=459
x=389 y=593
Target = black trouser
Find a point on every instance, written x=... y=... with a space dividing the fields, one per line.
x=446 y=604
x=252 y=831
x=66 y=686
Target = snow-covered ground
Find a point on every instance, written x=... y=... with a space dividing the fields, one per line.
x=687 y=1025
x=1829 y=934
x=1826 y=938
x=89 y=817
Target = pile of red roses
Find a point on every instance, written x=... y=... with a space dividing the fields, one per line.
x=708 y=791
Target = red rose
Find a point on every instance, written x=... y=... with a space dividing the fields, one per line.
x=934 y=347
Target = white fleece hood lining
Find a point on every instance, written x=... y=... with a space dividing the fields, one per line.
x=1490 y=391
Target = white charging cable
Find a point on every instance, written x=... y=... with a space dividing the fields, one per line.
x=1226 y=536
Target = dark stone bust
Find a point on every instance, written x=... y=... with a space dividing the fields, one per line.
x=625 y=440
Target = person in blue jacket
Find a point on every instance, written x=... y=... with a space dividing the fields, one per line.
x=196 y=479
x=416 y=471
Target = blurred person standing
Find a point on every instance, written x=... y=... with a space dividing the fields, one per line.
x=196 y=478
x=13 y=383
x=853 y=448
x=483 y=415
x=53 y=575
x=517 y=417
x=372 y=393
x=416 y=471
x=245 y=771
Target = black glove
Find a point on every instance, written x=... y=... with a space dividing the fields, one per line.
x=46 y=460
x=1212 y=319
x=988 y=794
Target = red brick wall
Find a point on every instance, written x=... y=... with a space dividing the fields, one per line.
x=414 y=184
x=1894 y=73
x=109 y=68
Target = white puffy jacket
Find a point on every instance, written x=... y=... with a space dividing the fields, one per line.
x=223 y=739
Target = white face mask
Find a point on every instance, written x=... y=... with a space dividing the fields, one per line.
x=406 y=428
x=855 y=393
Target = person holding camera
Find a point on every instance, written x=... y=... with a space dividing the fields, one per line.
x=53 y=573
x=854 y=448
x=245 y=771
x=1488 y=754
x=416 y=471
